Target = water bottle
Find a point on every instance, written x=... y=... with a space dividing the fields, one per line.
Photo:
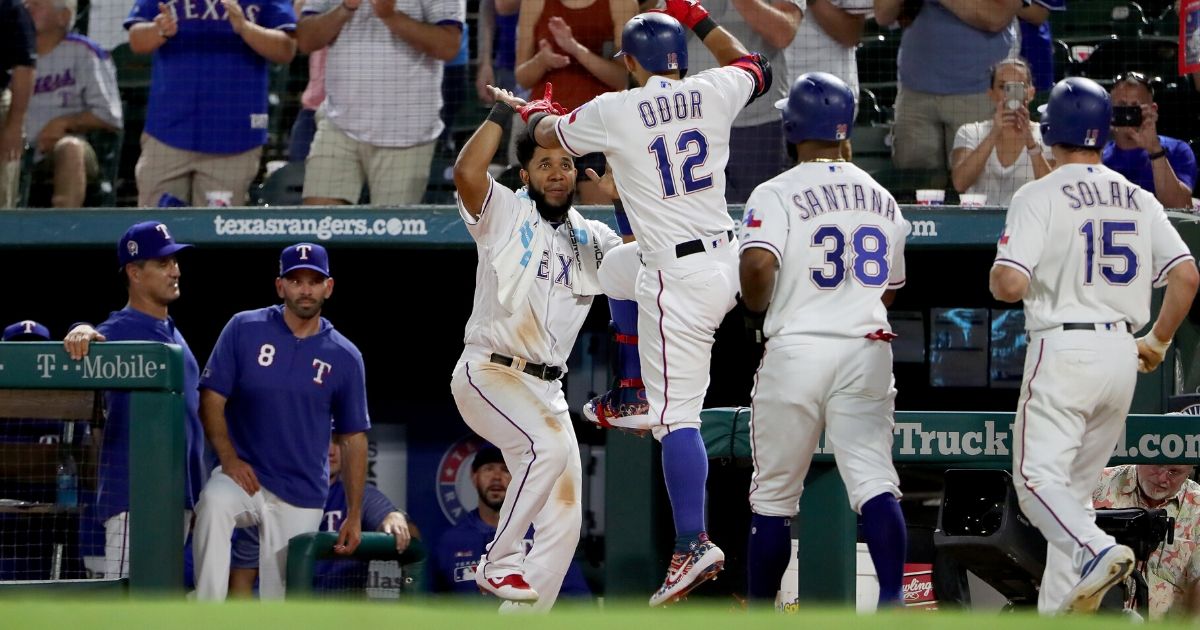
x=66 y=480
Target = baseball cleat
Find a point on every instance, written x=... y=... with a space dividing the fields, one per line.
x=689 y=569
x=1106 y=570
x=511 y=587
x=515 y=608
x=623 y=409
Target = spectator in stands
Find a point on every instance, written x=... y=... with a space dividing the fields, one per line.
x=150 y=270
x=17 y=56
x=996 y=157
x=454 y=92
x=460 y=547
x=570 y=43
x=383 y=81
x=378 y=515
x=1162 y=165
x=1037 y=42
x=305 y=126
x=75 y=93
x=757 y=151
x=497 y=53
x=826 y=39
x=1173 y=571
x=945 y=55
x=207 y=117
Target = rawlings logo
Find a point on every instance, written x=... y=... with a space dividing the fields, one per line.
x=918 y=586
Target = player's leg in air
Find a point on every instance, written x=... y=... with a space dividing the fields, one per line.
x=624 y=407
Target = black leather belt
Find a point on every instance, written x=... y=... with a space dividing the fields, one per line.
x=1109 y=326
x=544 y=372
x=696 y=246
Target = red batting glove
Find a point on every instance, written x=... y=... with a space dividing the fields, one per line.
x=545 y=104
x=688 y=12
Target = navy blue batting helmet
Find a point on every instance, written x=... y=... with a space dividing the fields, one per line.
x=1078 y=114
x=657 y=41
x=819 y=106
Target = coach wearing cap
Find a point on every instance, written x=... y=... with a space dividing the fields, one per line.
x=150 y=270
x=26 y=330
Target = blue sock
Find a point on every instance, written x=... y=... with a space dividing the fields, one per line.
x=767 y=555
x=685 y=467
x=887 y=540
x=624 y=323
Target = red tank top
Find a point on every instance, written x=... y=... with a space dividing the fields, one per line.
x=592 y=26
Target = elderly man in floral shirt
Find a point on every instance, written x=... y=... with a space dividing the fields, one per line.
x=1172 y=571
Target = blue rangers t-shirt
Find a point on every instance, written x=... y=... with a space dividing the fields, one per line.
x=338 y=573
x=1135 y=165
x=460 y=547
x=112 y=498
x=208 y=88
x=282 y=394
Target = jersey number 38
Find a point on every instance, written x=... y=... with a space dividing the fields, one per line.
x=863 y=254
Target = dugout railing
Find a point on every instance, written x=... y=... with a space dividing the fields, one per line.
x=305 y=550
x=153 y=374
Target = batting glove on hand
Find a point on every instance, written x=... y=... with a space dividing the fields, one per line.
x=545 y=105
x=1151 y=352
x=688 y=12
x=753 y=321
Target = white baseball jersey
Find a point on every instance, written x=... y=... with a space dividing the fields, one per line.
x=1093 y=245
x=839 y=239
x=668 y=144
x=545 y=328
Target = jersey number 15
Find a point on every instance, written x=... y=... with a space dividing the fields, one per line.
x=1110 y=249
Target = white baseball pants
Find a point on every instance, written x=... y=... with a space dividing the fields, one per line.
x=527 y=419
x=681 y=302
x=223 y=506
x=1075 y=397
x=808 y=384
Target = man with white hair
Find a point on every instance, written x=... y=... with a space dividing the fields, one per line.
x=75 y=92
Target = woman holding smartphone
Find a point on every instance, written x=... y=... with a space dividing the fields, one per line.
x=996 y=157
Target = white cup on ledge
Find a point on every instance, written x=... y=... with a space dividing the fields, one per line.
x=972 y=200
x=931 y=197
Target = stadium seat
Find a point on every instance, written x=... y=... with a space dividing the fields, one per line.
x=1167 y=24
x=284 y=187
x=1152 y=56
x=868 y=110
x=877 y=59
x=1092 y=19
x=1063 y=63
x=133 y=82
x=1178 y=108
x=1129 y=20
x=100 y=194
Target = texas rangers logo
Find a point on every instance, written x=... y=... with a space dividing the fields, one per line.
x=750 y=221
x=1093 y=135
x=456 y=493
x=304 y=249
x=323 y=368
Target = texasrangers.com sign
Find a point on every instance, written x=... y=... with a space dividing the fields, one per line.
x=949 y=437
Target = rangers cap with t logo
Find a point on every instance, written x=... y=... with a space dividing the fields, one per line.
x=146 y=241
x=304 y=256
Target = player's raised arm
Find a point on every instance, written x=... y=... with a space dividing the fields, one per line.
x=470 y=169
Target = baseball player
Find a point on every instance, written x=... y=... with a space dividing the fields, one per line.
x=537 y=275
x=667 y=142
x=148 y=264
x=1082 y=247
x=822 y=254
x=378 y=514
x=279 y=380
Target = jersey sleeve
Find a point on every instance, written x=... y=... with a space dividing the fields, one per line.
x=221 y=372
x=1183 y=162
x=1024 y=235
x=350 y=401
x=443 y=12
x=142 y=11
x=278 y=14
x=1167 y=248
x=733 y=85
x=100 y=95
x=897 y=272
x=496 y=217
x=608 y=236
x=375 y=508
x=583 y=131
x=766 y=223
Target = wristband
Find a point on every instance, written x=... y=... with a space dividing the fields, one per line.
x=704 y=27
x=1155 y=343
x=1161 y=154
x=623 y=227
x=501 y=113
x=531 y=126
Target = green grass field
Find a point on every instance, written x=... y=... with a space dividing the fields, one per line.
x=138 y=615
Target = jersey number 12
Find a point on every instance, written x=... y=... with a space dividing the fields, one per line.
x=1109 y=248
x=693 y=145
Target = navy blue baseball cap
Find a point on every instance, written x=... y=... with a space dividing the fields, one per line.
x=146 y=241
x=487 y=454
x=304 y=256
x=27 y=330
